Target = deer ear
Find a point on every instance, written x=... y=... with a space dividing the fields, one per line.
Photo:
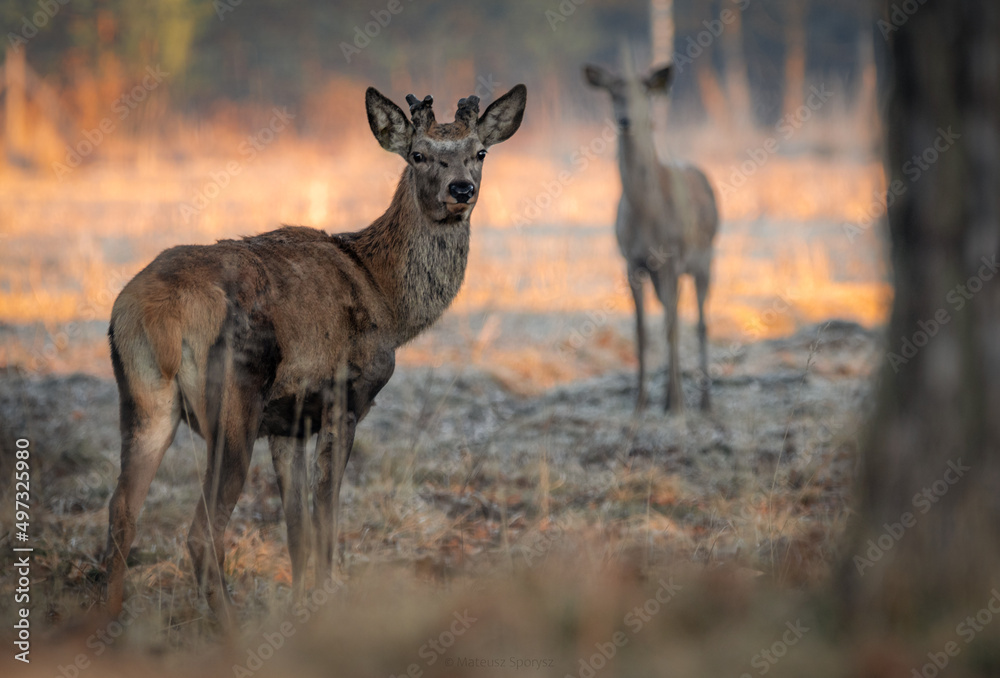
x=598 y=76
x=503 y=116
x=659 y=79
x=388 y=122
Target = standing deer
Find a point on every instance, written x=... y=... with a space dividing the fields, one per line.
x=290 y=333
x=667 y=219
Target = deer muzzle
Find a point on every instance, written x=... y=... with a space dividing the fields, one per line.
x=462 y=191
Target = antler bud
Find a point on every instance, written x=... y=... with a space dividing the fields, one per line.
x=468 y=111
x=421 y=112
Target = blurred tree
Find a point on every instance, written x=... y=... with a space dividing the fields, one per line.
x=924 y=550
x=795 y=56
x=162 y=32
x=661 y=29
x=285 y=51
x=735 y=68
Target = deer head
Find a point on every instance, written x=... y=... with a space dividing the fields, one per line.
x=630 y=92
x=445 y=159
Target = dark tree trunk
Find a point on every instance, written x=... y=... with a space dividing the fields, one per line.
x=795 y=57
x=929 y=492
x=735 y=68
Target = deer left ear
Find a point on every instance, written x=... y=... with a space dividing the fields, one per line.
x=659 y=80
x=503 y=117
x=598 y=76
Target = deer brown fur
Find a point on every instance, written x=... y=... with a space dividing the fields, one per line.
x=288 y=334
x=667 y=220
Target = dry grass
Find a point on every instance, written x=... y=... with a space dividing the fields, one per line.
x=783 y=259
x=548 y=518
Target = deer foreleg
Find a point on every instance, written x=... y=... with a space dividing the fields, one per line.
x=668 y=295
x=635 y=275
x=701 y=281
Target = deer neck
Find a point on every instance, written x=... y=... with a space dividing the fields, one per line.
x=640 y=168
x=418 y=264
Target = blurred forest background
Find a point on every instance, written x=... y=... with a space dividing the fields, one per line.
x=304 y=54
x=131 y=128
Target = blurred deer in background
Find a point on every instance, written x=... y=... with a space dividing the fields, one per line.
x=291 y=333
x=667 y=219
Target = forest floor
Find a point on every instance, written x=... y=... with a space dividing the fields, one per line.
x=550 y=513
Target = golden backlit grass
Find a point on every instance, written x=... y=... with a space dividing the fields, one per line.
x=540 y=245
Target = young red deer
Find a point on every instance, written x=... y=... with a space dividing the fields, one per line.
x=666 y=222
x=290 y=333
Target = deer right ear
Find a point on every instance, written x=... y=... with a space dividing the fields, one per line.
x=388 y=122
x=598 y=76
x=659 y=79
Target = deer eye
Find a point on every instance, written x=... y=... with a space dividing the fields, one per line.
x=418 y=157
x=481 y=155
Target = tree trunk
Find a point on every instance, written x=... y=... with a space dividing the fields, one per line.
x=14 y=101
x=925 y=546
x=713 y=98
x=735 y=65
x=795 y=57
x=661 y=27
x=867 y=125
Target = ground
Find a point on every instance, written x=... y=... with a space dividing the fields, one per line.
x=460 y=487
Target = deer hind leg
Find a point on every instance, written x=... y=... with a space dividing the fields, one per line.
x=149 y=418
x=701 y=283
x=666 y=290
x=288 y=453
x=235 y=406
x=635 y=277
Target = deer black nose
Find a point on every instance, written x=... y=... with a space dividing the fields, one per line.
x=462 y=190
x=623 y=122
